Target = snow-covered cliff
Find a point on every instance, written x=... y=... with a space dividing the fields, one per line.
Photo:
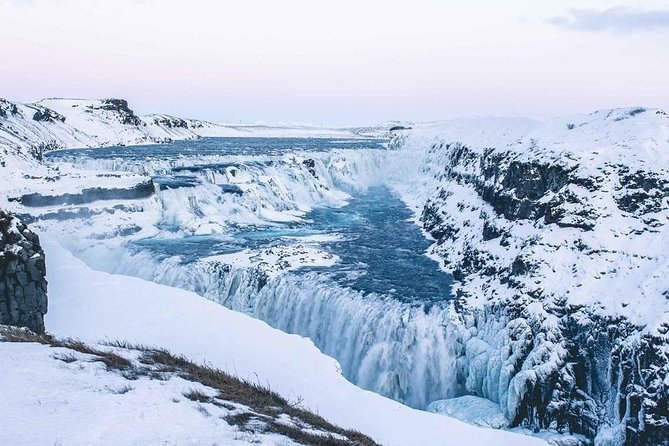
x=557 y=233
x=23 y=300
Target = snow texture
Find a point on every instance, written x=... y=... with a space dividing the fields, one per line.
x=60 y=396
x=556 y=232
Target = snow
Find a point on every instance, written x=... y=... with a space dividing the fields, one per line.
x=628 y=257
x=277 y=259
x=49 y=401
x=636 y=134
x=95 y=123
x=471 y=409
x=93 y=305
x=75 y=181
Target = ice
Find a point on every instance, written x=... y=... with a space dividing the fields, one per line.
x=471 y=409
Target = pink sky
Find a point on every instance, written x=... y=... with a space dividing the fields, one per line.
x=346 y=62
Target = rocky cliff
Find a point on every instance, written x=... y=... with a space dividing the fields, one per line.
x=23 y=286
x=556 y=233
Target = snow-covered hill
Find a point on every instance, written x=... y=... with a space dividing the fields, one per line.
x=72 y=123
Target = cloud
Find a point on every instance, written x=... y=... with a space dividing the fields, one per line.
x=614 y=19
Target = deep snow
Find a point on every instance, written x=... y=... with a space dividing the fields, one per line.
x=56 y=396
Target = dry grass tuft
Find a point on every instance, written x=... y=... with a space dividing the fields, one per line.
x=197 y=395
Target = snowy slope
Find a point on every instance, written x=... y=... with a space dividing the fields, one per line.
x=73 y=123
x=93 y=305
x=60 y=396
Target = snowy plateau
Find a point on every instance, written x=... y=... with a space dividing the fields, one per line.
x=473 y=281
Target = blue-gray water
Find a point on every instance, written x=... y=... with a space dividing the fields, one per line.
x=217 y=146
x=381 y=250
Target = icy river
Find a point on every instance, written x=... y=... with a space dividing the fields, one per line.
x=301 y=233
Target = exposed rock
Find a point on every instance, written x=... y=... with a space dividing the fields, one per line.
x=396 y=128
x=45 y=115
x=171 y=122
x=641 y=192
x=88 y=195
x=120 y=106
x=310 y=165
x=23 y=286
x=7 y=108
x=38 y=150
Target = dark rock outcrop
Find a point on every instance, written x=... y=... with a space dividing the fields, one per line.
x=311 y=166
x=23 y=286
x=45 y=115
x=641 y=192
x=89 y=195
x=120 y=106
x=396 y=128
x=171 y=122
x=8 y=108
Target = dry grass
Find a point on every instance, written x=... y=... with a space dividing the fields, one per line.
x=197 y=395
x=260 y=399
x=67 y=357
x=111 y=360
x=121 y=390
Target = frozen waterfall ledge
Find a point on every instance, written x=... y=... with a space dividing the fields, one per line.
x=93 y=306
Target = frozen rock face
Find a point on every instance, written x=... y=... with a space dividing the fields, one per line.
x=557 y=234
x=23 y=300
x=120 y=108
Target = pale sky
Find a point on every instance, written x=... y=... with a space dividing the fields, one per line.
x=340 y=62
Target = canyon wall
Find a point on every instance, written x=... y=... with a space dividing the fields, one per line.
x=23 y=286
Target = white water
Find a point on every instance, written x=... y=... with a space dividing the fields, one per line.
x=397 y=349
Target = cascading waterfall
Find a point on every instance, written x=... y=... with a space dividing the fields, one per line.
x=400 y=350
x=500 y=202
x=397 y=350
x=403 y=351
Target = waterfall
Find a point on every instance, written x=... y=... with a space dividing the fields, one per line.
x=403 y=351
